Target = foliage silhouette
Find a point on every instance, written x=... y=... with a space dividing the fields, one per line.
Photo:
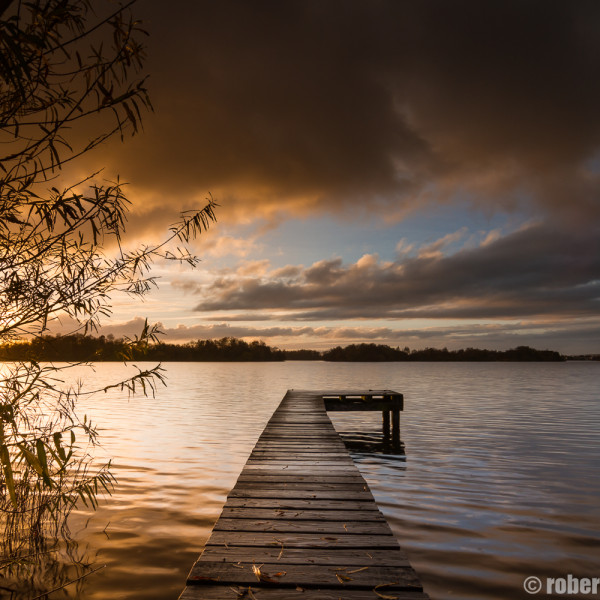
x=67 y=73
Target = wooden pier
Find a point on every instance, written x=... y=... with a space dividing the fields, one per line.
x=301 y=522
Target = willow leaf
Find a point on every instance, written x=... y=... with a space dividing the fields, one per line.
x=8 y=474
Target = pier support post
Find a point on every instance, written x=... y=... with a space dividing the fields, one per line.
x=395 y=428
x=386 y=424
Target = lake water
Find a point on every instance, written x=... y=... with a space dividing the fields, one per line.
x=500 y=478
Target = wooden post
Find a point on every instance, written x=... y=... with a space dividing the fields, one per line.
x=386 y=424
x=395 y=428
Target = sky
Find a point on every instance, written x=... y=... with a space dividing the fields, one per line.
x=413 y=173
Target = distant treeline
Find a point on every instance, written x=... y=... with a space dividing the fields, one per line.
x=381 y=353
x=108 y=348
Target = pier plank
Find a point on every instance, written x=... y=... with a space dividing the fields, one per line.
x=342 y=557
x=301 y=504
x=297 y=525
x=223 y=592
x=299 y=479
x=306 y=576
x=301 y=515
x=302 y=540
x=323 y=494
x=278 y=462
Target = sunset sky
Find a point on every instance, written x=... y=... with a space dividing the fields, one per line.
x=415 y=173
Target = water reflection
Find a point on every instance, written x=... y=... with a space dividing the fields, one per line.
x=58 y=567
x=360 y=442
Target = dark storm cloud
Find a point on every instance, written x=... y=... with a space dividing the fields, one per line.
x=304 y=106
x=537 y=271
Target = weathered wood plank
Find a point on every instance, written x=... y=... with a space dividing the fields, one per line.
x=279 y=473
x=305 y=446
x=283 y=494
x=300 y=432
x=305 y=576
x=302 y=540
x=298 y=454
x=288 y=442
x=324 y=449
x=299 y=467
x=301 y=504
x=341 y=557
x=286 y=470
x=224 y=592
x=301 y=422
x=301 y=526
x=301 y=473
x=301 y=515
x=279 y=462
x=298 y=479
x=300 y=485
x=300 y=426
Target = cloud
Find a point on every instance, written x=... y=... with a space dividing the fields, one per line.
x=434 y=250
x=566 y=337
x=304 y=107
x=536 y=271
x=254 y=267
x=227 y=245
x=403 y=247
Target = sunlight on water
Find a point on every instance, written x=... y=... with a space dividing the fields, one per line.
x=499 y=480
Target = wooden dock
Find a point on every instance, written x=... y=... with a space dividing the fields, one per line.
x=301 y=522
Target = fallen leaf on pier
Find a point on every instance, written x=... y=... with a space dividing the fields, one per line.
x=299 y=589
x=343 y=578
x=262 y=576
x=385 y=596
x=257 y=572
x=358 y=570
